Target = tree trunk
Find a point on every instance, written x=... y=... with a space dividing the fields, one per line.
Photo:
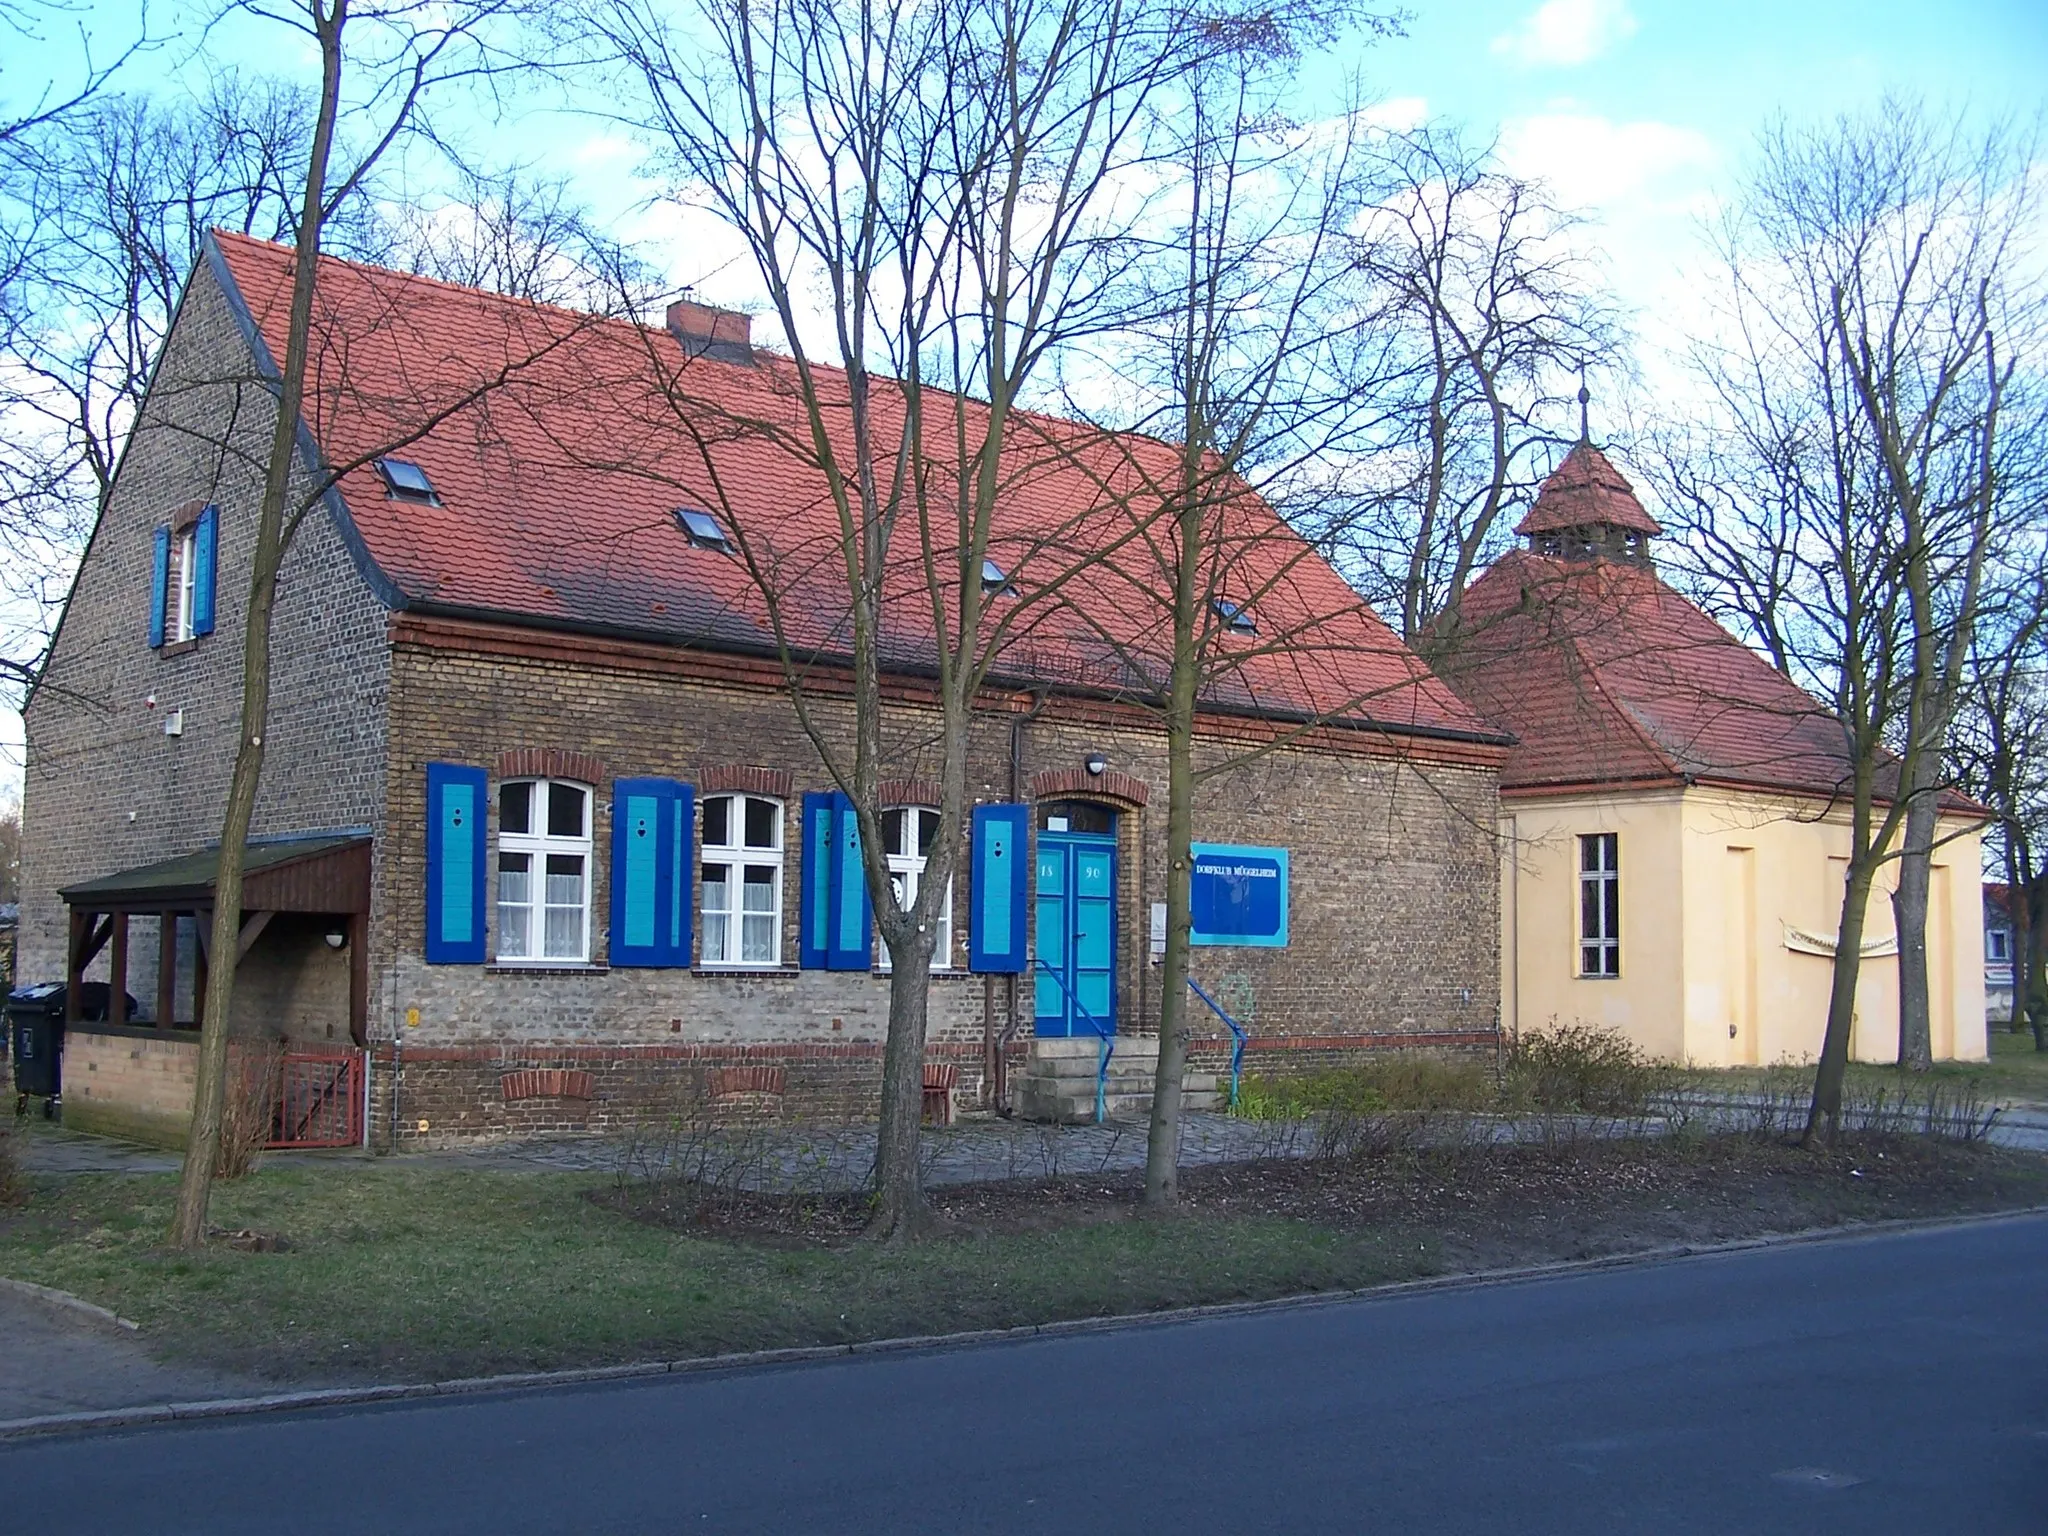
x=1162 y=1140
x=901 y=1213
x=1823 y=1119
x=209 y=1093
x=2033 y=904
x=1909 y=913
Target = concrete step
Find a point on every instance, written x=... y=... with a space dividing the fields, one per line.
x=1050 y=1047
x=1070 y=1100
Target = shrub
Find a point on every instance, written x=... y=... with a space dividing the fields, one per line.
x=1578 y=1069
x=249 y=1113
x=1396 y=1084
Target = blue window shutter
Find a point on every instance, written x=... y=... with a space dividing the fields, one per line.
x=456 y=859
x=650 y=862
x=159 y=586
x=996 y=894
x=852 y=943
x=813 y=933
x=205 y=545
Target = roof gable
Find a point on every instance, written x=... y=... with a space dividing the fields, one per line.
x=559 y=461
x=1606 y=675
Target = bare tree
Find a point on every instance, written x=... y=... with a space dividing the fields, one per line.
x=1865 y=339
x=936 y=200
x=509 y=231
x=10 y=851
x=114 y=201
x=30 y=21
x=2002 y=745
x=1478 y=284
x=378 y=68
x=1243 y=373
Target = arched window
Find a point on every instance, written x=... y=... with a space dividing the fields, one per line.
x=741 y=889
x=907 y=836
x=543 y=872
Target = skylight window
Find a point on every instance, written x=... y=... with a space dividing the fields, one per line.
x=703 y=530
x=1234 y=617
x=993 y=582
x=406 y=480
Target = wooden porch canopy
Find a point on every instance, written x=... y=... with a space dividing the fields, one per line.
x=328 y=876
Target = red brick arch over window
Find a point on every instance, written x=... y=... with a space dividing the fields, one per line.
x=779 y=783
x=909 y=792
x=1059 y=783
x=550 y=763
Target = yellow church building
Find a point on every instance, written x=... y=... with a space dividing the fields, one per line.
x=1675 y=820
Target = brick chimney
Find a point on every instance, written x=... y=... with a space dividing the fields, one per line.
x=702 y=331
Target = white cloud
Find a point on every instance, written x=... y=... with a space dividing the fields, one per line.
x=1397 y=114
x=1591 y=161
x=1567 y=32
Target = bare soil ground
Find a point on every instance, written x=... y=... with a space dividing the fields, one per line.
x=1482 y=1208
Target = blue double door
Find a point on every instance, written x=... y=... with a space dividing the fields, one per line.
x=1075 y=909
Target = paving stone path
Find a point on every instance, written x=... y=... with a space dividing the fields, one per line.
x=822 y=1159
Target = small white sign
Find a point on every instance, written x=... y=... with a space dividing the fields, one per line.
x=1158 y=930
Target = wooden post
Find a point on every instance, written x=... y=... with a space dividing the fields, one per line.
x=74 y=962
x=202 y=927
x=359 y=978
x=167 y=970
x=117 y=972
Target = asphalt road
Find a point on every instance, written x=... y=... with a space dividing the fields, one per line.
x=1891 y=1384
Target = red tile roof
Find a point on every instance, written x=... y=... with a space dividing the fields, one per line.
x=1607 y=676
x=1586 y=491
x=558 y=489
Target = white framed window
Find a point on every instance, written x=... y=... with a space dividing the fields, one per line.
x=182 y=584
x=907 y=835
x=1600 y=904
x=543 y=872
x=741 y=880
x=1997 y=946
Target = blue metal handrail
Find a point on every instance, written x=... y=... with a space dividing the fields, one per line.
x=1237 y=1048
x=1106 y=1040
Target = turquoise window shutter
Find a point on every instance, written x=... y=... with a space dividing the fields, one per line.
x=456 y=859
x=999 y=838
x=159 y=586
x=651 y=842
x=205 y=556
x=814 y=931
x=853 y=919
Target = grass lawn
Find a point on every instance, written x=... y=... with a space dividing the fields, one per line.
x=2016 y=1073
x=417 y=1272
x=423 y=1273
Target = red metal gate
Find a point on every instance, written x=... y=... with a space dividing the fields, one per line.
x=320 y=1100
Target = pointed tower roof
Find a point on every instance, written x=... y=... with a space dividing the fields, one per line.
x=1586 y=491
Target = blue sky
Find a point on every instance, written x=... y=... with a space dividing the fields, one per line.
x=1639 y=112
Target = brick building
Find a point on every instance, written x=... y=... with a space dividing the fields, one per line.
x=540 y=830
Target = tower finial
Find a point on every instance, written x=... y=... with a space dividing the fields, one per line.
x=1585 y=399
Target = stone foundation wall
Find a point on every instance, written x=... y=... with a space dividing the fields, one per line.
x=132 y=1083
x=452 y=1094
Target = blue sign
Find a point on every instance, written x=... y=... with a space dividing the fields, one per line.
x=1239 y=896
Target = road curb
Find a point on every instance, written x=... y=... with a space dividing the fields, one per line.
x=64 y=1301
x=529 y=1381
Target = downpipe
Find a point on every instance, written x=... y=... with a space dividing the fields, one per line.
x=1000 y=1050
